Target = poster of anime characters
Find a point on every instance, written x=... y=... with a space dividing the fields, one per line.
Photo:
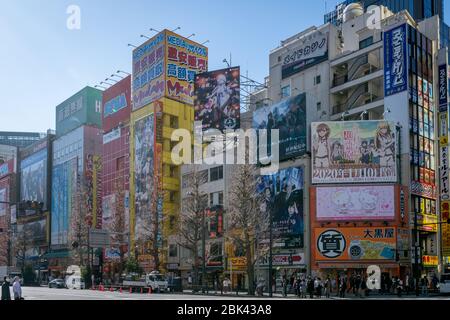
x=217 y=99
x=34 y=177
x=143 y=176
x=283 y=196
x=353 y=151
x=355 y=203
x=289 y=117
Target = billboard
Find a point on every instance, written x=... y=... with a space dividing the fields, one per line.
x=283 y=195
x=217 y=99
x=185 y=58
x=395 y=61
x=36 y=230
x=445 y=228
x=109 y=211
x=289 y=117
x=116 y=104
x=148 y=72
x=355 y=244
x=355 y=203
x=143 y=176
x=311 y=51
x=353 y=151
x=33 y=182
x=3 y=197
x=64 y=186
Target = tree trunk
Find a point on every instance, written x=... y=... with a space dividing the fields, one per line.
x=250 y=270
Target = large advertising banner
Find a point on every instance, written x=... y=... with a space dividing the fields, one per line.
x=283 y=196
x=445 y=228
x=144 y=142
x=36 y=230
x=395 y=61
x=109 y=211
x=313 y=50
x=353 y=151
x=64 y=186
x=116 y=104
x=4 y=198
x=355 y=203
x=185 y=58
x=355 y=244
x=289 y=117
x=148 y=72
x=217 y=99
x=34 y=177
x=443 y=88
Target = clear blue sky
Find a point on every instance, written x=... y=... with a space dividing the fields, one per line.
x=43 y=63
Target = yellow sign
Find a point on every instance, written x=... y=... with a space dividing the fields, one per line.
x=430 y=261
x=443 y=140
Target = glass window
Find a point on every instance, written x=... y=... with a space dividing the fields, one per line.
x=173 y=250
x=216 y=173
x=285 y=91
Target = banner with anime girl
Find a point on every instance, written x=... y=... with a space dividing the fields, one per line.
x=353 y=151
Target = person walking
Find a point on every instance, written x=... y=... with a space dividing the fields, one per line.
x=342 y=287
x=302 y=288
x=327 y=287
x=310 y=285
x=17 y=289
x=284 y=285
x=399 y=286
x=424 y=285
x=6 y=295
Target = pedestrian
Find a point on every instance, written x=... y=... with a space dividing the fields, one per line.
x=399 y=287
x=424 y=285
x=357 y=286
x=6 y=295
x=327 y=287
x=284 y=285
x=407 y=283
x=17 y=289
x=342 y=287
x=435 y=282
x=310 y=285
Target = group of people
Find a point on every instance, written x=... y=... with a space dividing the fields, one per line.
x=407 y=285
x=17 y=289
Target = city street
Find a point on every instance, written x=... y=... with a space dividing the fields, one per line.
x=43 y=293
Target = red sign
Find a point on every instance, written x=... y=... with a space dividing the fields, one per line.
x=116 y=104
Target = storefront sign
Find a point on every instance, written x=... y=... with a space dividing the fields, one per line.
x=430 y=261
x=357 y=244
x=423 y=189
x=443 y=90
x=111 y=136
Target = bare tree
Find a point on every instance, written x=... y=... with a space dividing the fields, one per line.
x=23 y=241
x=191 y=221
x=248 y=222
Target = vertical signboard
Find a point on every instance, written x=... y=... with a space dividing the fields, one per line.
x=395 y=61
x=445 y=228
x=443 y=88
x=148 y=72
x=185 y=58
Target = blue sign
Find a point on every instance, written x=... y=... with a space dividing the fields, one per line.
x=443 y=90
x=114 y=105
x=395 y=61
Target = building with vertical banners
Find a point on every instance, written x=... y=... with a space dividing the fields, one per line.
x=164 y=70
x=8 y=220
x=33 y=222
x=115 y=173
x=373 y=142
x=76 y=178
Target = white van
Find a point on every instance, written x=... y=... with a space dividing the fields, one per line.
x=75 y=282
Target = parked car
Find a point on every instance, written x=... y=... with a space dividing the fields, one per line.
x=174 y=284
x=57 y=283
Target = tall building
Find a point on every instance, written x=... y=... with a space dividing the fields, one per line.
x=354 y=95
x=19 y=139
x=35 y=167
x=76 y=179
x=418 y=9
x=116 y=172
x=164 y=69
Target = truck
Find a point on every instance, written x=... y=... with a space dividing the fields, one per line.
x=153 y=280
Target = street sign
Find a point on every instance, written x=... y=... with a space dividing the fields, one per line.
x=99 y=238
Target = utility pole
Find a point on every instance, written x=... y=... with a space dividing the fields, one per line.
x=203 y=252
x=270 y=253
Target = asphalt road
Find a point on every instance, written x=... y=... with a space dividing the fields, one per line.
x=43 y=293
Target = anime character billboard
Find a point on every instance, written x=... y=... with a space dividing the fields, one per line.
x=353 y=151
x=217 y=99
